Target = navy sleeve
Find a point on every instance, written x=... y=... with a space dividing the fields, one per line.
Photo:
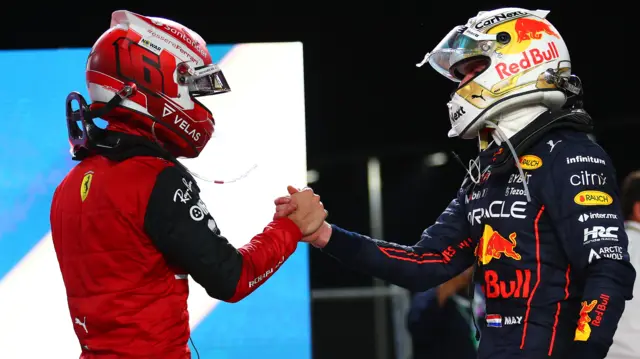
x=444 y=251
x=585 y=208
x=425 y=315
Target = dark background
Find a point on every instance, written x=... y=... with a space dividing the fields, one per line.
x=365 y=97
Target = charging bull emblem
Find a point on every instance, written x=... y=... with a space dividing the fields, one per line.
x=583 y=331
x=494 y=245
x=530 y=29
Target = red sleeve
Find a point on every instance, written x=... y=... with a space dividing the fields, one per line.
x=264 y=254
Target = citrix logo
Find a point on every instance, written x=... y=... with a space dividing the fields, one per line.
x=586 y=178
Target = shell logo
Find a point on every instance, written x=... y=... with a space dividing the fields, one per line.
x=523 y=31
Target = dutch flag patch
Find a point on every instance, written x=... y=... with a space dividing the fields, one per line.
x=494 y=320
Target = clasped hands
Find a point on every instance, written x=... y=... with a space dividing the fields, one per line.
x=306 y=210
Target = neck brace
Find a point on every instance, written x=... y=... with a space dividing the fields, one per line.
x=514 y=121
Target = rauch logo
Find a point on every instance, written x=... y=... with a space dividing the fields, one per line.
x=530 y=162
x=593 y=198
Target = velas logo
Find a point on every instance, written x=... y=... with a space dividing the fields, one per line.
x=530 y=58
x=593 y=198
x=182 y=123
x=530 y=162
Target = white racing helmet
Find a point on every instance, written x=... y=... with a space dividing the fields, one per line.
x=524 y=60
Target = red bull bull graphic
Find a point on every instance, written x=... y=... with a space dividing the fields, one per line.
x=583 y=331
x=520 y=287
x=525 y=33
x=493 y=245
x=531 y=29
x=530 y=58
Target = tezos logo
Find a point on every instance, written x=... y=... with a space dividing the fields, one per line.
x=593 y=198
x=530 y=162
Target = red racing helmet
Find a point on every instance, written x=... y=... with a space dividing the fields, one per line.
x=168 y=67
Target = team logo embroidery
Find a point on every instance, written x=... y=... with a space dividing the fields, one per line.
x=86 y=185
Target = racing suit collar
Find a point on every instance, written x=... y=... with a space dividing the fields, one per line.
x=120 y=146
x=502 y=158
x=513 y=122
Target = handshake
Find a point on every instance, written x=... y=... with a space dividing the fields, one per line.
x=304 y=208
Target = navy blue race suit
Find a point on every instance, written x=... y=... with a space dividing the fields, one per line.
x=555 y=269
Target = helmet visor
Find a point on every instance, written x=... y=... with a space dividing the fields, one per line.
x=460 y=44
x=207 y=80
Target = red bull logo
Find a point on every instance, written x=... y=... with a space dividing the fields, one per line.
x=530 y=29
x=525 y=33
x=530 y=58
x=493 y=245
x=583 y=331
x=585 y=322
x=494 y=287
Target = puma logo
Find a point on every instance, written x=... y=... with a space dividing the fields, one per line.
x=552 y=145
x=478 y=96
x=83 y=324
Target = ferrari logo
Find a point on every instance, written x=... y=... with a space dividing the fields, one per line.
x=86 y=185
